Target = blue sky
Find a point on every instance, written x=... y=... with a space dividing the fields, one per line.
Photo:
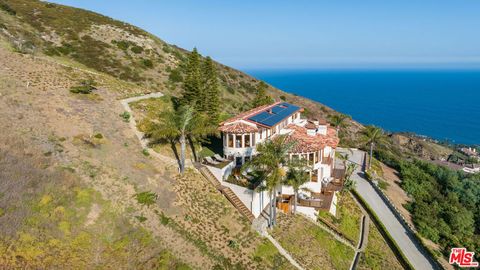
x=311 y=34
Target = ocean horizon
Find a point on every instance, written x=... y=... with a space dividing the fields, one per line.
x=443 y=104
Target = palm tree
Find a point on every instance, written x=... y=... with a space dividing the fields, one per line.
x=178 y=125
x=272 y=155
x=349 y=183
x=372 y=135
x=297 y=175
x=339 y=120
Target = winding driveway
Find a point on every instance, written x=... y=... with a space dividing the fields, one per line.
x=407 y=243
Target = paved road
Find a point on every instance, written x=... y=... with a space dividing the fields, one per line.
x=413 y=253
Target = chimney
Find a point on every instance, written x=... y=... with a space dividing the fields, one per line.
x=311 y=129
x=322 y=127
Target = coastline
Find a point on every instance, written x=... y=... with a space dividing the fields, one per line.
x=443 y=109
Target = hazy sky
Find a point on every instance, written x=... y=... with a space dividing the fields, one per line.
x=311 y=33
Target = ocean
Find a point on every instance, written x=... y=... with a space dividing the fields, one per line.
x=441 y=104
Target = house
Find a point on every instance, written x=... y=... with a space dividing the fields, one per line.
x=470 y=152
x=315 y=141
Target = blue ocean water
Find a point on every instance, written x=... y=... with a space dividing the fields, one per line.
x=442 y=104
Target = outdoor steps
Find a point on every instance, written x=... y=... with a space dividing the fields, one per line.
x=238 y=203
x=227 y=192
x=210 y=177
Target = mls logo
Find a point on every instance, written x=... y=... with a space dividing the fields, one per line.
x=462 y=257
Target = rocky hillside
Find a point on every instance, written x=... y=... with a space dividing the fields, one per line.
x=118 y=49
x=76 y=189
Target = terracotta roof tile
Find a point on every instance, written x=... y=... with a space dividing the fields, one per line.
x=308 y=143
x=237 y=127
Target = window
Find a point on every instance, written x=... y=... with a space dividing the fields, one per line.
x=247 y=140
x=261 y=133
x=231 y=139
x=311 y=158
x=238 y=142
x=253 y=139
x=273 y=131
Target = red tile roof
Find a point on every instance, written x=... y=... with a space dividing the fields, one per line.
x=238 y=127
x=311 y=143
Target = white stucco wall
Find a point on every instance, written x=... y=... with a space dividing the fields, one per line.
x=310 y=212
x=333 y=206
x=220 y=174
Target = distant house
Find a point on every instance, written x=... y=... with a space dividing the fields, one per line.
x=315 y=141
x=470 y=152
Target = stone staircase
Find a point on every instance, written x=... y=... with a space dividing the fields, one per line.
x=227 y=192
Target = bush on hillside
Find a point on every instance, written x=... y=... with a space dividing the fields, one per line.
x=8 y=9
x=175 y=76
x=85 y=87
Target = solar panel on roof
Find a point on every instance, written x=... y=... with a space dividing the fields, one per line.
x=278 y=113
x=277 y=109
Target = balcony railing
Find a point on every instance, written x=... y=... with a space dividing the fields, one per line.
x=338 y=173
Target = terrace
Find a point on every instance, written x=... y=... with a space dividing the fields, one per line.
x=319 y=201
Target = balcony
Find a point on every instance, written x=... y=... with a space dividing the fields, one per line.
x=327 y=161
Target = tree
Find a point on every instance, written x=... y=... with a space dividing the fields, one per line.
x=178 y=126
x=349 y=184
x=261 y=97
x=272 y=155
x=211 y=90
x=192 y=85
x=339 y=121
x=372 y=135
x=297 y=175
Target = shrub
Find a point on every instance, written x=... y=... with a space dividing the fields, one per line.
x=147 y=63
x=8 y=9
x=233 y=244
x=98 y=136
x=85 y=87
x=164 y=219
x=175 y=76
x=125 y=116
x=136 y=49
x=141 y=218
x=383 y=184
x=146 y=198
x=166 y=49
x=230 y=89
x=282 y=97
x=145 y=152
x=122 y=44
